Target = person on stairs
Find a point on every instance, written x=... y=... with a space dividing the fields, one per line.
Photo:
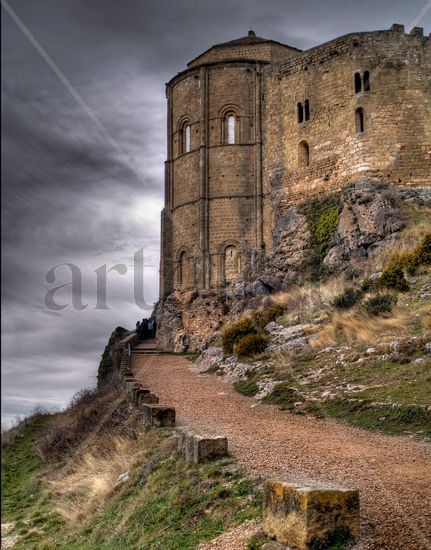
x=150 y=328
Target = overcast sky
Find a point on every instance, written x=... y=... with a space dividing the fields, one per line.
x=83 y=154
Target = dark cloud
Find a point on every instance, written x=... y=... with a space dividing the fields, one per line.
x=69 y=196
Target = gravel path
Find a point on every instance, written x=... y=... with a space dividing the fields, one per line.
x=392 y=474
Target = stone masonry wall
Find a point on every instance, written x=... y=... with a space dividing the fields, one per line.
x=220 y=195
x=395 y=145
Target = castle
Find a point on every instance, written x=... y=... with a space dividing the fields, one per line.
x=255 y=126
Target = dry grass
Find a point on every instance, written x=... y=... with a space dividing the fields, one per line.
x=90 y=411
x=425 y=314
x=356 y=326
x=87 y=486
x=310 y=297
x=418 y=224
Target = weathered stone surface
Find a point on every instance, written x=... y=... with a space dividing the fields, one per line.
x=186 y=319
x=368 y=217
x=289 y=338
x=304 y=517
x=138 y=390
x=158 y=416
x=233 y=219
x=274 y=545
x=291 y=237
x=200 y=447
x=147 y=398
x=131 y=384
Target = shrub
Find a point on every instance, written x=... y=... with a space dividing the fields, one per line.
x=423 y=251
x=368 y=284
x=246 y=387
x=348 y=298
x=106 y=366
x=88 y=408
x=265 y=315
x=393 y=277
x=235 y=332
x=410 y=261
x=382 y=303
x=325 y=228
x=322 y=215
x=251 y=345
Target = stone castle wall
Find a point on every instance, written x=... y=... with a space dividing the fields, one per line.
x=223 y=199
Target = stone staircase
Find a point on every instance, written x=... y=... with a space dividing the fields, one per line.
x=145 y=347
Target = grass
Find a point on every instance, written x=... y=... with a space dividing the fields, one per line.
x=76 y=504
x=393 y=390
x=350 y=371
x=246 y=387
x=23 y=500
x=283 y=395
x=386 y=418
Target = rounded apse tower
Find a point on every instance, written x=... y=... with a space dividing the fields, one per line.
x=212 y=224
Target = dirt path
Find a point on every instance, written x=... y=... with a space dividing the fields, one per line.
x=392 y=474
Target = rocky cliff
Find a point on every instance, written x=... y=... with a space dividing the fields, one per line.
x=311 y=241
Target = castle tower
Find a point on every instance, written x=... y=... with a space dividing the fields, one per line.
x=212 y=221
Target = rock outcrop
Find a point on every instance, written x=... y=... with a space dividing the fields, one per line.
x=369 y=219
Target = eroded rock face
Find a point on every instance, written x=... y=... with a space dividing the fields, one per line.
x=169 y=318
x=291 y=238
x=229 y=368
x=289 y=338
x=368 y=219
x=186 y=320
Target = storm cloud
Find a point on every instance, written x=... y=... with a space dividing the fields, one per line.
x=75 y=194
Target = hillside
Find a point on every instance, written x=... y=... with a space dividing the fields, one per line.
x=337 y=331
x=94 y=478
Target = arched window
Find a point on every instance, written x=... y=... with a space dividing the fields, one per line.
x=231 y=263
x=230 y=123
x=366 y=81
x=358 y=83
x=303 y=154
x=184 y=139
x=300 y=113
x=181 y=267
x=187 y=146
x=359 y=120
x=307 y=110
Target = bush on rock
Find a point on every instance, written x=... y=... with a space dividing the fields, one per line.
x=251 y=344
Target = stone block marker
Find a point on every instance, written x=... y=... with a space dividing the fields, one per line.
x=139 y=390
x=309 y=517
x=158 y=416
x=146 y=399
x=199 y=447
